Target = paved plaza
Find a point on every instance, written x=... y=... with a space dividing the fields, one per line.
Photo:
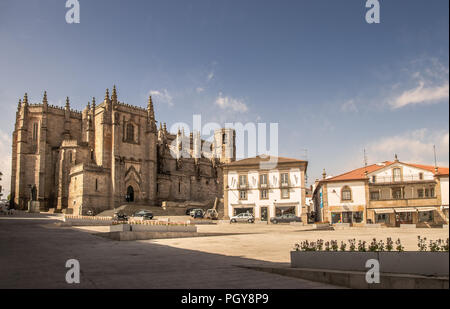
x=33 y=252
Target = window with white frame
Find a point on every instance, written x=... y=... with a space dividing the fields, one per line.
x=263 y=180
x=397 y=174
x=242 y=195
x=264 y=195
x=242 y=181
x=284 y=179
x=346 y=194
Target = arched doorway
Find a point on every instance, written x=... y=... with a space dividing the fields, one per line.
x=130 y=194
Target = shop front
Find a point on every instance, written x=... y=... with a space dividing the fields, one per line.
x=384 y=216
x=405 y=216
x=345 y=214
x=426 y=215
x=286 y=208
x=239 y=209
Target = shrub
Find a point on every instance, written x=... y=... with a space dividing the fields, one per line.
x=334 y=245
x=421 y=243
x=352 y=244
x=399 y=247
x=389 y=244
x=362 y=246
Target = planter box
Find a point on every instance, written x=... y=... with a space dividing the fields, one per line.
x=119 y=228
x=184 y=229
x=408 y=262
x=407 y=226
x=148 y=228
x=162 y=228
x=201 y=221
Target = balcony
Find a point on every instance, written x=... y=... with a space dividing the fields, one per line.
x=243 y=186
x=284 y=184
x=406 y=202
x=404 y=179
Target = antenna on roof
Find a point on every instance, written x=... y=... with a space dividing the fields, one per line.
x=365 y=162
x=435 y=161
x=365 y=158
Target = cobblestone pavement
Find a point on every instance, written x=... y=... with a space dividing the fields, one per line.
x=33 y=253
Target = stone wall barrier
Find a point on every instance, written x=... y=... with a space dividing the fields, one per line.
x=423 y=263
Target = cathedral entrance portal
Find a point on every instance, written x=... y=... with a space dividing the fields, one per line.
x=130 y=194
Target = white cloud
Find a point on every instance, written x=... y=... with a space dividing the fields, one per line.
x=421 y=95
x=5 y=162
x=413 y=146
x=430 y=78
x=210 y=76
x=229 y=103
x=162 y=96
x=349 y=106
x=199 y=89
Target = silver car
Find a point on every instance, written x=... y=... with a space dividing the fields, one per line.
x=243 y=217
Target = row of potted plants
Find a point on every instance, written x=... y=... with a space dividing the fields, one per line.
x=151 y=222
x=374 y=246
x=87 y=217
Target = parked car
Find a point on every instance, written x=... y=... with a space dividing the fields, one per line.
x=118 y=216
x=145 y=214
x=212 y=214
x=198 y=213
x=188 y=211
x=286 y=218
x=193 y=211
x=243 y=217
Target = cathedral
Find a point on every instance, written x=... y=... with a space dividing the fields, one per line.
x=108 y=155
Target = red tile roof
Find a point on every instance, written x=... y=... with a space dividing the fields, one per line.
x=359 y=173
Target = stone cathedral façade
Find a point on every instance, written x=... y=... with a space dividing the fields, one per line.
x=110 y=154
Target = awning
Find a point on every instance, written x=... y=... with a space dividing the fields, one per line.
x=243 y=205
x=286 y=204
x=426 y=208
x=383 y=211
x=405 y=209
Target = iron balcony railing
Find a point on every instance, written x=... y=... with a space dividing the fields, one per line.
x=408 y=178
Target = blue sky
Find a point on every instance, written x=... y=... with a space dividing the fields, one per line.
x=334 y=83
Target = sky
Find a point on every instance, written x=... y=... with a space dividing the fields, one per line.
x=335 y=84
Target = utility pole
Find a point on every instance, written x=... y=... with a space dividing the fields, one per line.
x=434 y=151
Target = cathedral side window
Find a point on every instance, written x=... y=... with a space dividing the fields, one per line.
x=35 y=131
x=130 y=133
